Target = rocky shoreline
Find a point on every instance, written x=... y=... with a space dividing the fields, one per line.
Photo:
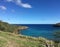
x=56 y=25
x=23 y=27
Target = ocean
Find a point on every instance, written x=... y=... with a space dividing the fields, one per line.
x=40 y=30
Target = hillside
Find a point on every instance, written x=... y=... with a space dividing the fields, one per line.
x=12 y=40
x=6 y=27
x=9 y=37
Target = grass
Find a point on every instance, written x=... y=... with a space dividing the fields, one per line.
x=8 y=38
x=12 y=40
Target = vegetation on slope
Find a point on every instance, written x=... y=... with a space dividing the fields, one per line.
x=9 y=37
x=12 y=40
x=6 y=27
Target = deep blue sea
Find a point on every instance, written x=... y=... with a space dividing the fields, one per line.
x=40 y=30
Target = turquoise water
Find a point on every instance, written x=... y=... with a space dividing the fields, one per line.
x=40 y=30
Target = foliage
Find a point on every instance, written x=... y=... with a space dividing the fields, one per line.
x=8 y=27
x=14 y=40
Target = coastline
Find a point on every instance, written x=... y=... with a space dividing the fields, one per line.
x=10 y=32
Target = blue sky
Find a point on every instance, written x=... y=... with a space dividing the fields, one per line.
x=30 y=11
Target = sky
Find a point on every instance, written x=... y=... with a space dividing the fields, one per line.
x=30 y=11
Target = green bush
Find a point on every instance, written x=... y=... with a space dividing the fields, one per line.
x=8 y=27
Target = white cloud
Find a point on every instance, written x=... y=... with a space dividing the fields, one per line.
x=26 y=5
x=3 y=7
x=19 y=2
x=9 y=0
